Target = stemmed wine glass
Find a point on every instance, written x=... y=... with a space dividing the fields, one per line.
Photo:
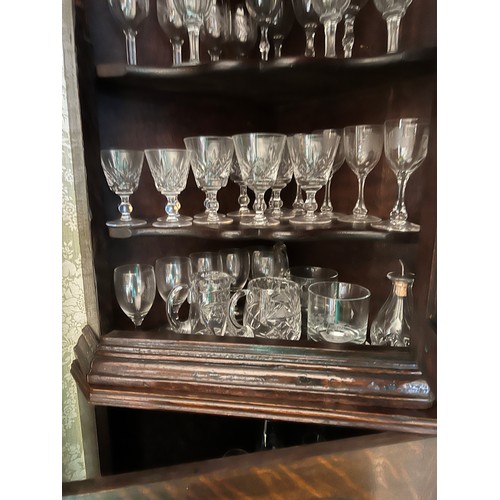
x=309 y=20
x=283 y=177
x=363 y=148
x=204 y=261
x=242 y=30
x=405 y=144
x=236 y=263
x=263 y=11
x=243 y=199
x=259 y=156
x=330 y=13
x=171 y=23
x=211 y=158
x=170 y=169
x=281 y=25
x=135 y=289
x=122 y=169
x=129 y=15
x=392 y=11
x=349 y=17
x=214 y=31
x=327 y=207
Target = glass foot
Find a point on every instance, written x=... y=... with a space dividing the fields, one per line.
x=407 y=227
x=284 y=214
x=217 y=219
x=250 y=221
x=183 y=218
x=317 y=219
x=201 y=215
x=130 y=223
x=357 y=219
x=180 y=222
x=238 y=213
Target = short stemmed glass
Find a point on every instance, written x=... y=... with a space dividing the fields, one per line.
x=330 y=13
x=135 y=290
x=243 y=198
x=284 y=176
x=405 y=143
x=306 y=16
x=170 y=169
x=363 y=145
x=327 y=207
x=349 y=17
x=281 y=25
x=215 y=31
x=122 y=169
x=259 y=156
x=312 y=157
x=171 y=23
x=392 y=11
x=211 y=158
x=242 y=30
x=129 y=15
x=263 y=11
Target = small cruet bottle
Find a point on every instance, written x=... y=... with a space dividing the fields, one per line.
x=391 y=326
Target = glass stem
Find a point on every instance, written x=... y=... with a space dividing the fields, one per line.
x=170 y=208
x=264 y=45
x=298 y=203
x=177 y=52
x=194 y=43
x=130 y=46
x=310 y=30
x=393 y=23
x=212 y=205
x=398 y=214
x=259 y=207
x=310 y=204
x=243 y=200
x=327 y=204
x=348 y=39
x=278 y=45
x=330 y=32
x=360 y=208
x=125 y=208
x=276 y=202
x=214 y=54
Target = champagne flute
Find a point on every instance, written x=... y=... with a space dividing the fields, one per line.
x=349 y=17
x=263 y=11
x=330 y=13
x=171 y=23
x=309 y=20
x=392 y=11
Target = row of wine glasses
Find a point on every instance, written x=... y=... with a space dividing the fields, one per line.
x=263 y=161
x=233 y=27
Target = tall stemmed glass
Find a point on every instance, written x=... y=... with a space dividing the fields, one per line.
x=281 y=25
x=170 y=169
x=392 y=11
x=312 y=157
x=215 y=30
x=242 y=30
x=338 y=161
x=211 y=158
x=122 y=169
x=405 y=143
x=243 y=198
x=306 y=16
x=259 y=156
x=135 y=290
x=349 y=17
x=363 y=148
x=330 y=13
x=193 y=13
x=263 y=11
x=129 y=15
x=283 y=177
x=171 y=23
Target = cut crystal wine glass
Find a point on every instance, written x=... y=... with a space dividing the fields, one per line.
x=327 y=207
x=263 y=11
x=215 y=30
x=171 y=23
x=259 y=156
x=349 y=17
x=281 y=25
x=330 y=13
x=129 y=14
x=122 y=169
x=392 y=11
x=306 y=16
x=243 y=198
x=242 y=30
x=363 y=146
x=170 y=169
x=284 y=176
x=405 y=143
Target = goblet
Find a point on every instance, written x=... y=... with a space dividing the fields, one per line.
x=349 y=17
x=327 y=207
x=135 y=289
x=236 y=263
x=309 y=20
x=214 y=31
x=263 y=11
x=405 y=143
x=129 y=16
x=243 y=199
x=259 y=156
x=211 y=158
x=330 y=13
x=284 y=176
x=170 y=169
x=242 y=30
x=363 y=148
x=122 y=169
x=204 y=261
x=312 y=157
x=171 y=23
x=392 y=11
x=193 y=12
x=281 y=25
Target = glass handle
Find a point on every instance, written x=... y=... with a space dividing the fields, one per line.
x=178 y=325
x=233 y=302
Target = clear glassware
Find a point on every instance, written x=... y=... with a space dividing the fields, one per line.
x=170 y=169
x=298 y=203
x=283 y=178
x=211 y=159
x=392 y=324
x=306 y=16
x=263 y=11
x=330 y=13
x=264 y=264
x=135 y=290
x=236 y=263
x=204 y=261
x=363 y=145
x=193 y=12
x=242 y=30
x=243 y=199
x=215 y=30
x=129 y=15
x=312 y=157
x=405 y=143
x=349 y=17
x=327 y=207
x=392 y=11
x=281 y=25
x=171 y=23
x=122 y=169
x=259 y=156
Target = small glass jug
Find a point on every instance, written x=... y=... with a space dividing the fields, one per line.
x=391 y=326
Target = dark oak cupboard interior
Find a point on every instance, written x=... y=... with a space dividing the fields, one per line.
x=155 y=105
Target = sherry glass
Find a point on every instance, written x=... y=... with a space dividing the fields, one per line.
x=242 y=30
x=327 y=207
x=211 y=158
x=349 y=17
x=284 y=176
x=170 y=169
x=392 y=11
x=259 y=156
x=122 y=169
x=171 y=23
x=214 y=31
x=306 y=16
x=135 y=289
x=405 y=144
x=243 y=199
x=363 y=146
x=193 y=12
x=129 y=14
x=263 y=11
x=281 y=25
x=330 y=13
